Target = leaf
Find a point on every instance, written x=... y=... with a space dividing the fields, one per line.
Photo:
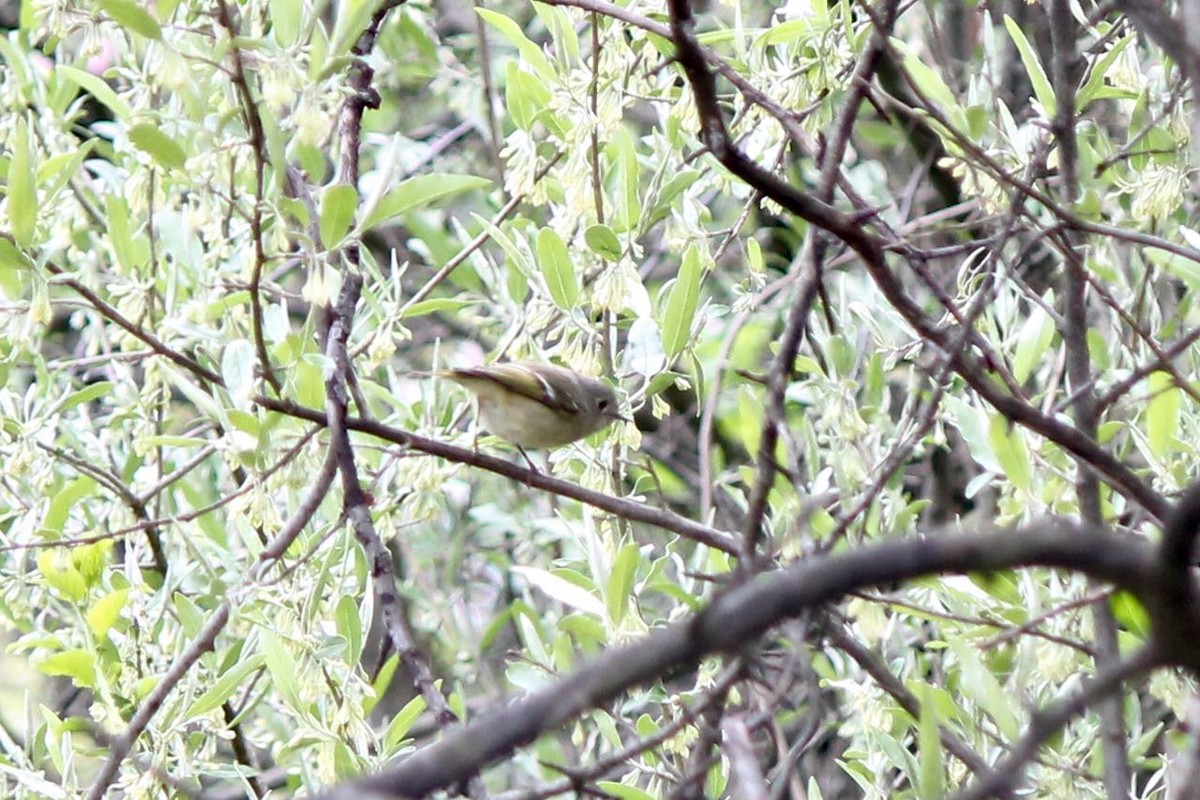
x=86 y=395
x=1131 y=614
x=1162 y=412
x=338 y=203
x=929 y=83
x=225 y=686
x=681 y=303
x=620 y=582
x=1032 y=342
x=237 y=370
x=64 y=500
x=79 y=665
x=982 y=686
x=433 y=306
x=529 y=51
x=420 y=192
x=603 y=242
x=402 y=723
x=61 y=575
x=627 y=201
x=282 y=667
x=22 y=189
x=352 y=20
x=105 y=612
x=1008 y=445
x=970 y=422
x=151 y=140
x=285 y=21
x=350 y=627
x=557 y=269
x=132 y=16
x=131 y=252
x=643 y=353
x=1182 y=267
x=97 y=88
x=562 y=590
x=931 y=779
x=1095 y=82
x=623 y=792
x=525 y=95
x=1037 y=76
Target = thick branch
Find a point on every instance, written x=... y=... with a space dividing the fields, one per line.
x=740 y=615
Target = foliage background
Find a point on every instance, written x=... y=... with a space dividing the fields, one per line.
x=189 y=190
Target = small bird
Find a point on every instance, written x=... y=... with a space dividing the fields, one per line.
x=535 y=405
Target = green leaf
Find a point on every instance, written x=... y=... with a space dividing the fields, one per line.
x=64 y=500
x=620 y=582
x=532 y=53
x=420 y=192
x=380 y=685
x=627 y=201
x=238 y=369
x=1008 y=445
x=525 y=95
x=132 y=253
x=132 y=16
x=282 y=667
x=623 y=792
x=105 y=612
x=22 y=188
x=931 y=780
x=285 y=20
x=1032 y=342
x=1182 y=267
x=352 y=20
x=338 y=203
x=434 y=306
x=97 y=88
x=557 y=269
x=980 y=685
x=1099 y=71
x=929 y=83
x=1037 y=76
x=681 y=303
x=1130 y=613
x=86 y=395
x=1162 y=412
x=603 y=242
x=151 y=140
x=79 y=665
x=191 y=617
x=350 y=627
x=402 y=723
x=56 y=171
x=561 y=589
x=61 y=575
x=225 y=686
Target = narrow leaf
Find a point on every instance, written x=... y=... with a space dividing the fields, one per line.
x=681 y=303
x=337 y=212
x=132 y=17
x=557 y=269
x=151 y=140
x=1008 y=445
x=420 y=192
x=22 y=190
x=1162 y=412
x=1037 y=76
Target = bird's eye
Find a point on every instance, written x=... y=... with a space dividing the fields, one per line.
x=603 y=404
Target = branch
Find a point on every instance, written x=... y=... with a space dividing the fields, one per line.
x=741 y=614
x=620 y=506
x=1049 y=722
